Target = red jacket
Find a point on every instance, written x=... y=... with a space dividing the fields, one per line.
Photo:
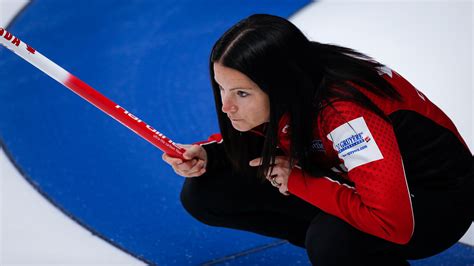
x=383 y=160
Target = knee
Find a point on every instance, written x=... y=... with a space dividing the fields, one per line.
x=325 y=243
x=196 y=201
x=190 y=197
x=332 y=241
x=319 y=252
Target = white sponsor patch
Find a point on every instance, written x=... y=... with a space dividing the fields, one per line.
x=355 y=144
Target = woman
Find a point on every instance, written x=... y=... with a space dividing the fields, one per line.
x=363 y=169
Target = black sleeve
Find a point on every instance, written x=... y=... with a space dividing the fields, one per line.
x=216 y=157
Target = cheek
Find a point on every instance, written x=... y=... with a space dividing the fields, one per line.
x=264 y=110
x=255 y=111
x=259 y=113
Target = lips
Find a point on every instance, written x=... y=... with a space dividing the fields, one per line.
x=233 y=119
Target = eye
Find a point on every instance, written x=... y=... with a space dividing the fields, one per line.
x=242 y=94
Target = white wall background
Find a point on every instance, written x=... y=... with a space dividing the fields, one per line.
x=428 y=42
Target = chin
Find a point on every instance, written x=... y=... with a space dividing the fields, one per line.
x=241 y=128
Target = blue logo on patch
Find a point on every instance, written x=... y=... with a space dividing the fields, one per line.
x=350 y=142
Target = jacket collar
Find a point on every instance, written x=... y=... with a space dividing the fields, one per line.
x=283 y=127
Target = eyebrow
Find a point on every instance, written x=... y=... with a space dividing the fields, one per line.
x=236 y=88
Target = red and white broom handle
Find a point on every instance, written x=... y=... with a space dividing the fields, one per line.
x=90 y=94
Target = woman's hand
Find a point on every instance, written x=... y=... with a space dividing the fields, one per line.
x=194 y=164
x=278 y=177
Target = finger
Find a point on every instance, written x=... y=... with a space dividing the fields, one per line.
x=191 y=151
x=282 y=160
x=274 y=171
x=198 y=172
x=274 y=182
x=164 y=157
x=256 y=162
x=276 y=185
x=270 y=177
x=283 y=190
x=179 y=173
x=197 y=166
x=171 y=160
x=279 y=179
x=186 y=166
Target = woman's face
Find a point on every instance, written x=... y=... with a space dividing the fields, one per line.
x=245 y=104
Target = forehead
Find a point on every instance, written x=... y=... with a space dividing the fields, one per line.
x=225 y=75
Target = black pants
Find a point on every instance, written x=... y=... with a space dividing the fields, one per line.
x=246 y=203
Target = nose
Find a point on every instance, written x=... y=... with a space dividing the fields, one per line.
x=228 y=106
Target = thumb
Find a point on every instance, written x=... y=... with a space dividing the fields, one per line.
x=256 y=162
x=191 y=152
